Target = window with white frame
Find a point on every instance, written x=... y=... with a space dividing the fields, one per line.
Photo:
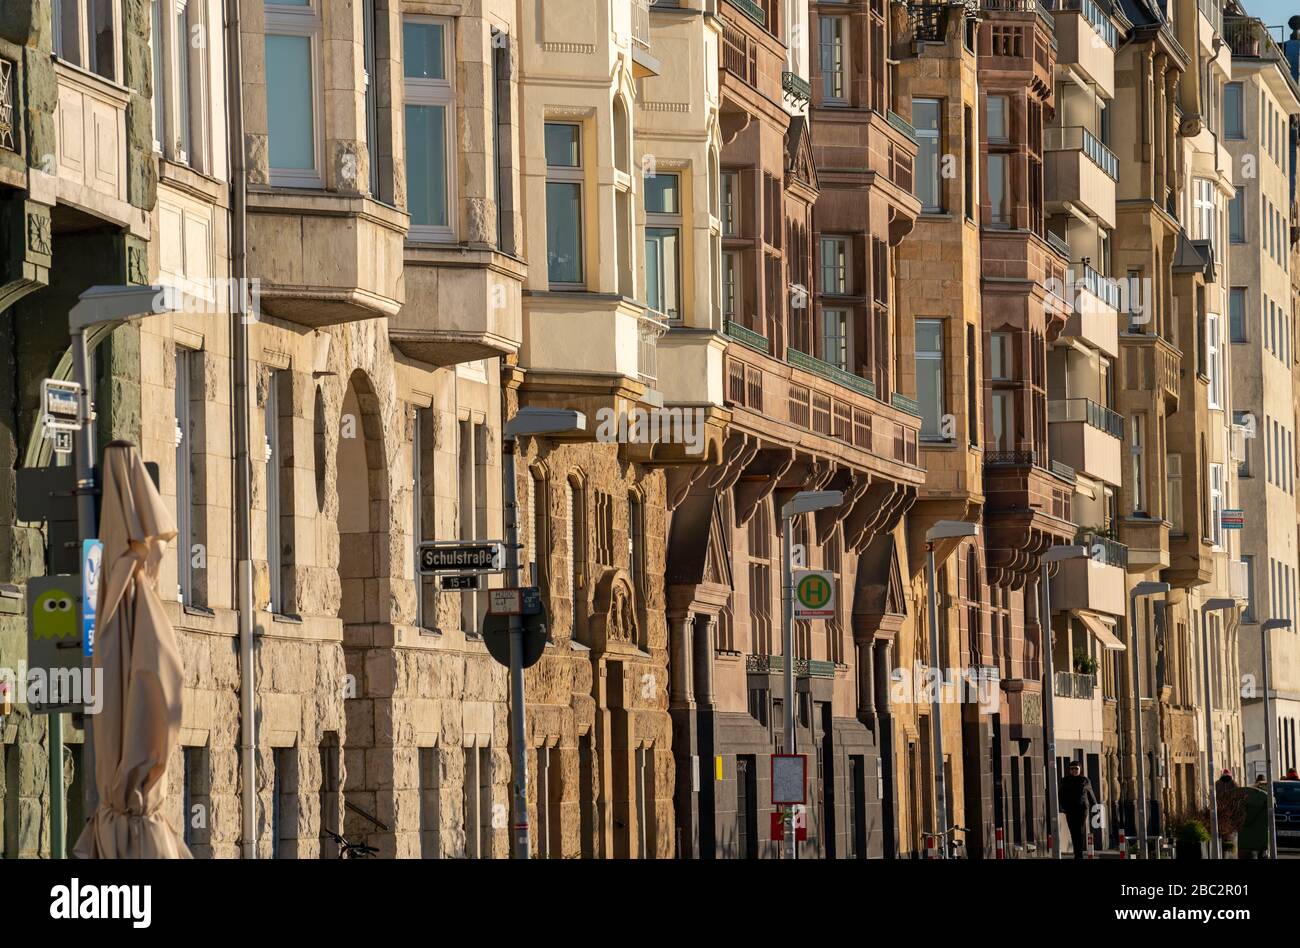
x=473 y=505
x=926 y=118
x=369 y=25
x=293 y=92
x=564 y=243
x=835 y=336
x=834 y=59
x=1237 y=314
x=730 y=284
x=929 y=377
x=663 y=237
x=835 y=265
x=427 y=68
x=274 y=460
x=1233 y=126
x=1137 y=445
x=185 y=457
x=1174 y=492
x=1216 y=504
x=1204 y=201
x=729 y=204
x=180 y=102
x=995 y=118
x=1242 y=418
x=1214 y=359
x=87 y=34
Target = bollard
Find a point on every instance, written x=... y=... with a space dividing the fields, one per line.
x=999 y=844
x=1123 y=845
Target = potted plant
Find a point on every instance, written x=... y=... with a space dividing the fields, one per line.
x=1192 y=837
x=1084 y=664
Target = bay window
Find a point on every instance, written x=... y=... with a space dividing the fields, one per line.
x=835 y=337
x=929 y=377
x=999 y=191
x=926 y=119
x=834 y=59
x=663 y=233
x=293 y=128
x=835 y=265
x=564 y=244
x=430 y=124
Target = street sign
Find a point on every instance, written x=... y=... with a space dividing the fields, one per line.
x=457 y=557
x=92 y=559
x=54 y=648
x=814 y=594
x=62 y=441
x=1233 y=519
x=60 y=405
x=496 y=636
x=460 y=583
x=789 y=779
x=780 y=820
x=505 y=602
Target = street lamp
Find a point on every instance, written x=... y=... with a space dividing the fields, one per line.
x=953 y=531
x=1052 y=555
x=1264 y=629
x=1142 y=589
x=527 y=422
x=806 y=501
x=1212 y=605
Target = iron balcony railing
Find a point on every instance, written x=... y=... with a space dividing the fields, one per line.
x=803 y=667
x=1104 y=549
x=747 y=337
x=751 y=10
x=832 y=373
x=902 y=124
x=649 y=330
x=1094 y=15
x=1087 y=411
x=1058 y=244
x=1064 y=471
x=641 y=22
x=1024 y=6
x=796 y=86
x=929 y=20
x=1102 y=287
x=1010 y=458
x=1249 y=38
x=1078 y=138
x=1074 y=685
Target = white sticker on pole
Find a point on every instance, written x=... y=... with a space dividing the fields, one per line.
x=814 y=594
x=789 y=778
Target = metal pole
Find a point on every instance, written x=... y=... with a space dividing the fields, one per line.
x=1049 y=725
x=1268 y=745
x=787 y=665
x=1215 y=851
x=518 y=750
x=1140 y=816
x=936 y=722
x=58 y=804
x=84 y=458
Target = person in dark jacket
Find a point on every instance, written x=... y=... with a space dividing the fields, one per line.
x=1252 y=838
x=1077 y=801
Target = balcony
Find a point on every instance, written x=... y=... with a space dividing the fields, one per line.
x=326 y=258
x=1249 y=38
x=460 y=312
x=90 y=135
x=1087 y=436
x=1094 y=314
x=1080 y=24
x=1080 y=172
x=1016 y=43
x=1159 y=367
x=1212 y=10
x=1090 y=584
x=1075 y=685
x=1147 y=539
x=774 y=665
x=796 y=88
x=643 y=64
x=1238 y=580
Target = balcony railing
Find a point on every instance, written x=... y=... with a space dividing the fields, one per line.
x=1078 y=138
x=747 y=337
x=1087 y=411
x=832 y=373
x=1094 y=15
x=1058 y=244
x=902 y=124
x=1064 y=471
x=929 y=20
x=641 y=23
x=1249 y=38
x=905 y=403
x=649 y=330
x=796 y=87
x=1113 y=553
x=1024 y=6
x=8 y=89
x=803 y=667
x=1102 y=287
x=751 y=10
x=1010 y=458
x=1074 y=685
x=1213 y=11
x=739 y=54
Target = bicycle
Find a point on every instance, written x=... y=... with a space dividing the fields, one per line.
x=350 y=850
x=956 y=847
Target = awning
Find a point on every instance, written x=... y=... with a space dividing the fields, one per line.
x=1103 y=627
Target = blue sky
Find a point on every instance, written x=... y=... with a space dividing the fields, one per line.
x=1274 y=12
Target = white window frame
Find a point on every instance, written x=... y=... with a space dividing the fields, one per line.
x=835 y=83
x=843 y=339
x=577 y=174
x=729 y=203
x=731 y=288
x=1006 y=118
x=303 y=21
x=841 y=248
x=936 y=134
x=668 y=222
x=274 y=453
x=167 y=44
x=1216 y=505
x=1214 y=359
x=84 y=45
x=184 y=475
x=436 y=93
x=933 y=355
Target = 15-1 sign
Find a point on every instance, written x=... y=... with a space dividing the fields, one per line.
x=481 y=557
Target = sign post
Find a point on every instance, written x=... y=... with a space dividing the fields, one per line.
x=814 y=594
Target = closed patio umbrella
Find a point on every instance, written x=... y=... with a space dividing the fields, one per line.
x=139 y=724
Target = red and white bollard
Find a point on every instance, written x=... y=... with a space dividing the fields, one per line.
x=1090 y=853
x=1123 y=845
x=930 y=851
x=999 y=845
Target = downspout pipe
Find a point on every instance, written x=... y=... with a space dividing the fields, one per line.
x=240 y=318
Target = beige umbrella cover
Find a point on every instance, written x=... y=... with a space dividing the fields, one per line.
x=139 y=724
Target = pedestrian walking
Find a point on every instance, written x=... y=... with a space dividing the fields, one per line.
x=1077 y=801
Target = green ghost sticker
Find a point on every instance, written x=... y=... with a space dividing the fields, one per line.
x=53 y=616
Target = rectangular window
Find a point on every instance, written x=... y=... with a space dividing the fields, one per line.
x=835 y=265
x=1237 y=313
x=835 y=337
x=1248 y=612
x=730 y=284
x=999 y=191
x=1174 y=492
x=87 y=34
x=1004 y=421
x=476 y=800
x=729 y=203
x=834 y=59
x=284 y=805
x=473 y=506
x=970 y=148
x=564 y=245
x=1216 y=504
x=329 y=815
x=1137 y=444
x=930 y=378
x=274 y=460
x=1233 y=114
x=1237 y=217
x=1000 y=356
x=185 y=457
x=663 y=232
x=293 y=92
x=1214 y=360
x=1243 y=418
x=972 y=388
x=926 y=119
x=430 y=125
x=180 y=89
x=995 y=118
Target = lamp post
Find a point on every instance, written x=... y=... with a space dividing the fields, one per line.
x=1052 y=555
x=806 y=501
x=1142 y=589
x=527 y=422
x=1264 y=629
x=1212 y=605
x=953 y=531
